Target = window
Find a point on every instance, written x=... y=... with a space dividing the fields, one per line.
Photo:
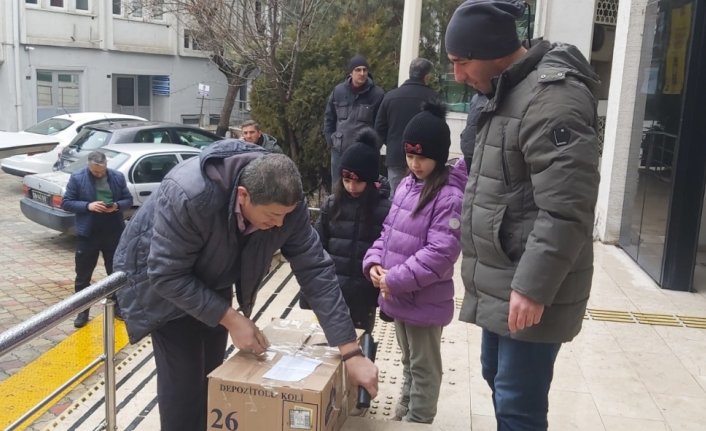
x=34 y=2
x=157 y=10
x=153 y=169
x=68 y=94
x=143 y=90
x=126 y=91
x=81 y=4
x=117 y=7
x=136 y=9
x=194 y=138
x=190 y=42
x=157 y=136
x=56 y=3
x=44 y=88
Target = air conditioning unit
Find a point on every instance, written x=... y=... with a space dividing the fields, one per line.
x=603 y=42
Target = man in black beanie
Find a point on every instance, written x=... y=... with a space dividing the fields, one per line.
x=397 y=108
x=529 y=203
x=351 y=106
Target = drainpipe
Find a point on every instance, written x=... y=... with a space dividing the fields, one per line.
x=16 y=48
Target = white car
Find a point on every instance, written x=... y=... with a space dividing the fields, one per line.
x=59 y=130
x=144 y=167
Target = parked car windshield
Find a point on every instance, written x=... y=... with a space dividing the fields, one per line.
x=50 y=126
x=90 y=139
x=115 y=160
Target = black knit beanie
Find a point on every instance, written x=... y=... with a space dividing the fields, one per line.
x=357 y=61
x=427 y=133
x=360 y=160
x=484 y=29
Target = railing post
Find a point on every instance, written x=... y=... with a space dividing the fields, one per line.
x=109 y=363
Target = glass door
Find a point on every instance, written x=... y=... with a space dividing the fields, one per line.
x=657 y=116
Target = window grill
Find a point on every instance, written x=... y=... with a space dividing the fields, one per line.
x=607 y=12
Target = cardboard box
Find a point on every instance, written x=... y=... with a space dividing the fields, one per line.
x=241 y=397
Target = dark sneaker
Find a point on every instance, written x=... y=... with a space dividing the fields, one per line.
x=81 y=319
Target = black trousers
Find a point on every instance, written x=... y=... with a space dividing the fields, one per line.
x=87 y=250
x=185 y=351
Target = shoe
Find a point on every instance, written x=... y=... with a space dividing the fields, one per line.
x=385 y=318
x=355 y=411
x=81 y=319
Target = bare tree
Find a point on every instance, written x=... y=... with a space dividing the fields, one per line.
x=249 y=37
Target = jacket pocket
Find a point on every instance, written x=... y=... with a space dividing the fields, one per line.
x=342 y=110
x=486 y=226
x=337 y=141
x=365 y=114
x=503 y=158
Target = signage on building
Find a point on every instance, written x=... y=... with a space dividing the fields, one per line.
x=204 y=89
x=160 y=85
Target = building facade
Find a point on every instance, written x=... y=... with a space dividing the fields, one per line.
x=59 y=56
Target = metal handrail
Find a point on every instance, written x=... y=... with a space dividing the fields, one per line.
x=33 y=327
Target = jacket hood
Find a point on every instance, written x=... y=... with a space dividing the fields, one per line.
x=554 y=62
x=458 y=175
x=568 y=59
x=268 y=138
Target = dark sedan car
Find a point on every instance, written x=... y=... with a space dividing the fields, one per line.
x=98 y=135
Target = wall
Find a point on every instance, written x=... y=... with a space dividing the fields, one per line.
x=620 y=119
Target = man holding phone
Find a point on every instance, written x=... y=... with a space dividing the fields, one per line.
x=97 y=195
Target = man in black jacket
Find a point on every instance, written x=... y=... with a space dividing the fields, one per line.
x=397 y=108
x=215 y=222
x=351 y=106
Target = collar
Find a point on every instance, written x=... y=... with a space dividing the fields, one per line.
x=244 y=227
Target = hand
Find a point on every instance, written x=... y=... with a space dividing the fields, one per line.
x=98 y=207
x=362 y=372
x=524 y=312
x=246 y=336
x=376 y=272
x=384 y=290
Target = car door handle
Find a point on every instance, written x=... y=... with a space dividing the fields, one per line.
x=145 y=193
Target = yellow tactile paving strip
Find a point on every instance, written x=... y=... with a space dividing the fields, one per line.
x=26 y=388
x=646 y=318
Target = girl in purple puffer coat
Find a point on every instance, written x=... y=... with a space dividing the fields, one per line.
x=412 y=262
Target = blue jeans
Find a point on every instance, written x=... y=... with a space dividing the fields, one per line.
x=519 y=373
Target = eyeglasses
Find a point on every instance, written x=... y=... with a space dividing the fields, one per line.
x=350 y=175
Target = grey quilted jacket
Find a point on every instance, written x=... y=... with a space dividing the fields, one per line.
x=183 y=254
x=529 y=203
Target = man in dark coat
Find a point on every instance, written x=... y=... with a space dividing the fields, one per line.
x=351 y=106
x=215 y=222
x=397 y=108
x=98 y=196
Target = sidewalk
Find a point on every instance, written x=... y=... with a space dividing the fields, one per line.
x=637 y=364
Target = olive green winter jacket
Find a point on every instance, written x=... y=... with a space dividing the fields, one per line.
x=529 y=203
